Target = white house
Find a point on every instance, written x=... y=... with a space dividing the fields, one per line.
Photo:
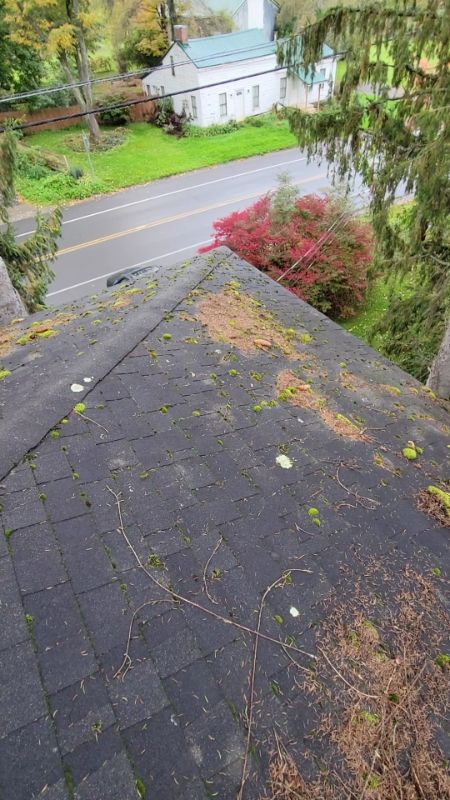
x=245 y=14
x=233 y=76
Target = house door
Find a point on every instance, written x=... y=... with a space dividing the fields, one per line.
x=239 y=105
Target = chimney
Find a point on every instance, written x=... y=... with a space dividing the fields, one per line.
x=180 y=33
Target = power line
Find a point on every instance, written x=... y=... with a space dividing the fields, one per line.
x=147 y=70
x=125 y=75
x=339 y=223
x=69 y=86
x=128 y=103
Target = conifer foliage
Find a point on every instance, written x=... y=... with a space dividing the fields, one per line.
x=389 y=121
x=28 y=261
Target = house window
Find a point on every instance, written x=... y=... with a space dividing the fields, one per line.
x=255 y=96
x=194 y=107
x=186 y=107
x=283 y=86
x=162 y=91
x=223 y=104
x=323 y=72
x=172 y=65
x=155 y=91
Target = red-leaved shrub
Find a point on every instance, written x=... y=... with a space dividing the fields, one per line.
x=333 y=248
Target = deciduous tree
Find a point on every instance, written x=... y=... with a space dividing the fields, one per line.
x=280 y=230
x=61 y=28
x=398 y=144
x=21 y=66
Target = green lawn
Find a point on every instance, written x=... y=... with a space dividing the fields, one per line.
x=375 y=305
x=384 y=56
x=148 y=153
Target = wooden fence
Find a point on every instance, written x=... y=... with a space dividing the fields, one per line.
x=138 y=113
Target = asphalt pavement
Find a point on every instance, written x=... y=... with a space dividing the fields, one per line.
x=162 y=222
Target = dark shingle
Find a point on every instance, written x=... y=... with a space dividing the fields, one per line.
x=191 y=471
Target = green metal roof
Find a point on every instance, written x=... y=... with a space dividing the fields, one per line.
x=227 y=48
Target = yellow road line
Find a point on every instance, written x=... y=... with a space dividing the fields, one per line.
x=166 y=220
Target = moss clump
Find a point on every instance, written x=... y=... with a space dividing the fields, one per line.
x=313 y=512
x=442 y=660
x=232 y=372
x=346 y=420
x=286 y=394
x=409 y=453
x=4 y=373
x=257 y=409
x=79 y=408
x=154 y=561
x=305 y=338
x=371 y=628
x=46 y=334
x=372 y=782
x=166 y=336
x=443 y=497
x=370 y=717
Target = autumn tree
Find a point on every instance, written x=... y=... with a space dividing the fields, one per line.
x=282 y=229
x=24 y=266
x=142 y=30
x=64 y=29
x=398 y=140
x=21 y=67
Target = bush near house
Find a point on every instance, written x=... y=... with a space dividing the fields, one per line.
x=279 y=230
x=113 y=116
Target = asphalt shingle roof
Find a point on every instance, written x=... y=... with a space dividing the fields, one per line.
x=171 y=425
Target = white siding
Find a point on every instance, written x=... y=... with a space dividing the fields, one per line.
x=256 y=14
x=239 y=92
x=186 y=77
x=302 y=95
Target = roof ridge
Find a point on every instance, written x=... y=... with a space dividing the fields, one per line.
x=46 y=377
x=223 y=36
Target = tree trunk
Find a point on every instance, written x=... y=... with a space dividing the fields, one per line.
x=11 y=305
x=83 y=70
x=83 y=95
x=82 y=59
x=439 y=377
x=172 y=18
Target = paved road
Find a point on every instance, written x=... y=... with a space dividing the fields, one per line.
x=163 y=222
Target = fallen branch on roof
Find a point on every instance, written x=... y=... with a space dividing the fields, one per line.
x=193 y=603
